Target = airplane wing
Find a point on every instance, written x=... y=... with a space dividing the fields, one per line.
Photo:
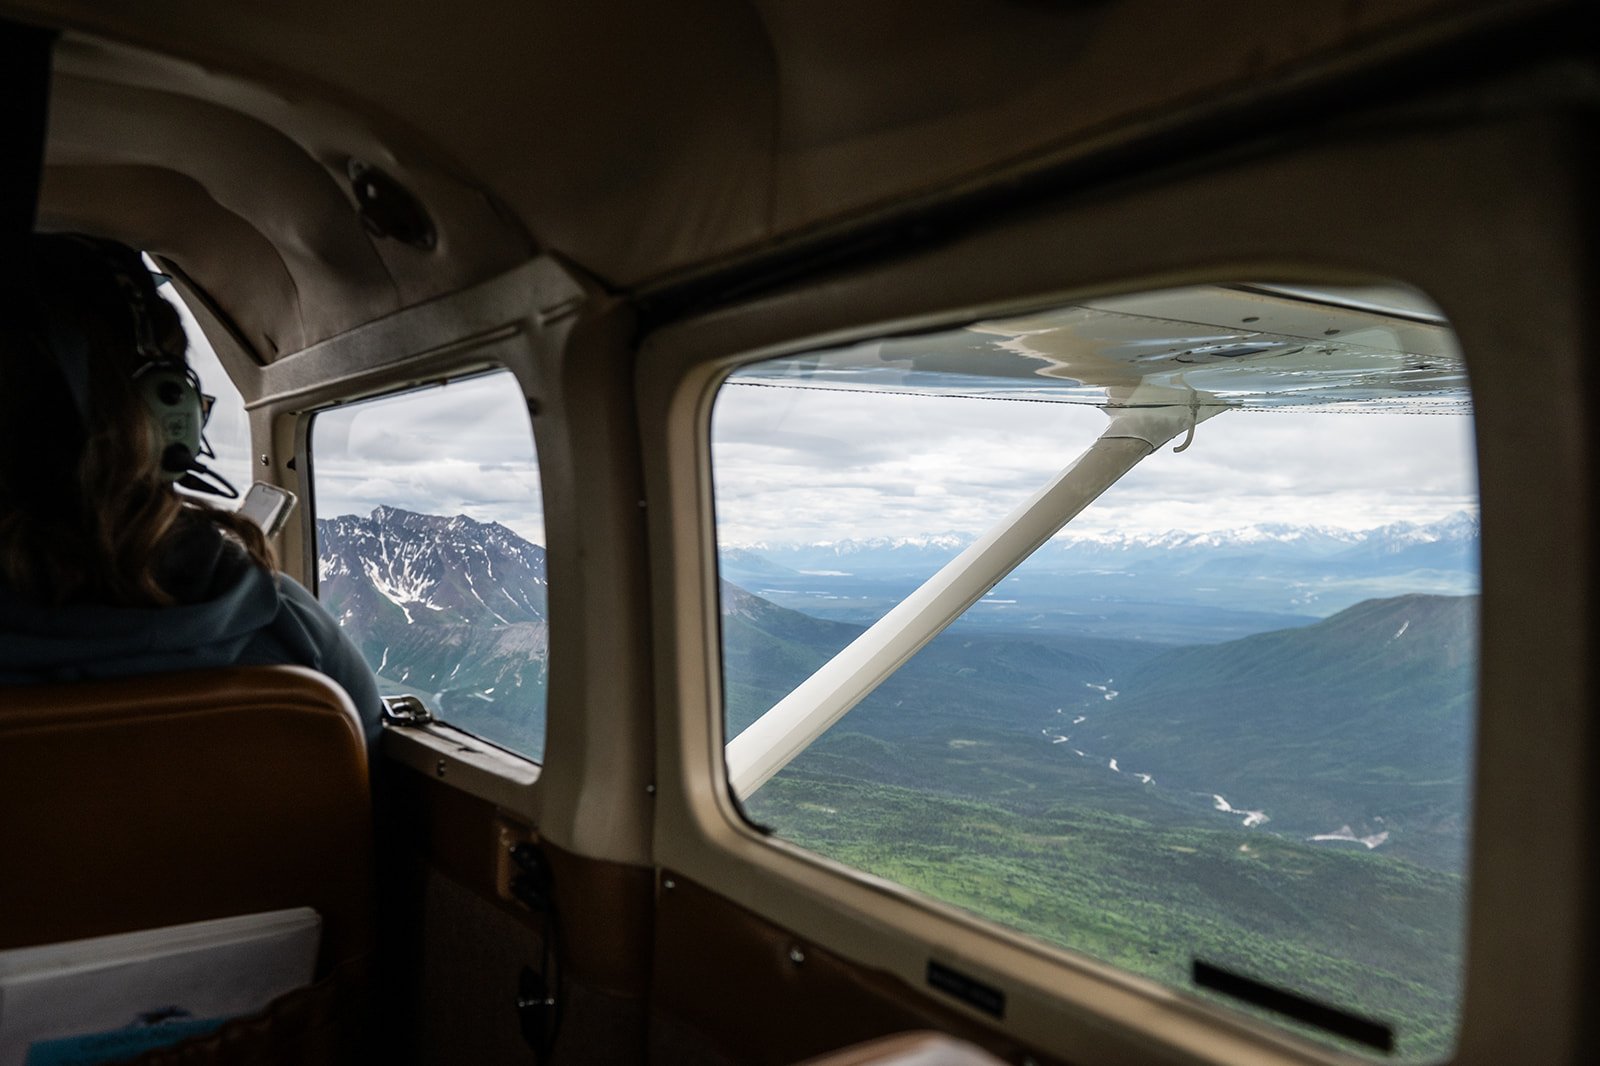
x=1157 y=363
x=1256 y=347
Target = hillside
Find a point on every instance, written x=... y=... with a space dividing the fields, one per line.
x=450 y=608
x=1362 y=722
x=1291 y=804
x=1354 y=729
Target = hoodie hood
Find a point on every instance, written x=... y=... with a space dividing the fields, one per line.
x=224 y=600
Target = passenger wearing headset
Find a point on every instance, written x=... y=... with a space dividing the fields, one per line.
x=105 y=569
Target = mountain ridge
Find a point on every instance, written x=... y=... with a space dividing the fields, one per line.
x=448 y=607
x=1459 y=527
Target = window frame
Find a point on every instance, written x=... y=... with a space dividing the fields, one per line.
x=1209 y=225
x=495 y=326
x=440 y=749
x=775 y=834
x=569 y=345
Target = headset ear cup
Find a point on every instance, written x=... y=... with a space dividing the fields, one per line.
x=177 y=416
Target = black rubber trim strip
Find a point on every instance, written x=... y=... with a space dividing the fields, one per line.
x=1324 y=1016
x=969 y=990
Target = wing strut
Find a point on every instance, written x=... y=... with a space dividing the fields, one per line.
x=849 y=677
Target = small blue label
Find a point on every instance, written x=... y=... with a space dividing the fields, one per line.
x=115 y=1045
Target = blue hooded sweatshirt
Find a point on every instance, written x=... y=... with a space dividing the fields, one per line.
x=230 y=612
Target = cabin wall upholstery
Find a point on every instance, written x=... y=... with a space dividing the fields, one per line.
x=766 y=997
x=447 y=874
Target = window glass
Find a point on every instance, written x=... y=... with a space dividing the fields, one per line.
x=430 y=550
x=1223 y=718
x=227 y=426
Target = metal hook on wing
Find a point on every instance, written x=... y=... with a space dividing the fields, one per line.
x=1194 y=415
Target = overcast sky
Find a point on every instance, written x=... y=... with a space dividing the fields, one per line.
x=463 y=448
x=810 y=465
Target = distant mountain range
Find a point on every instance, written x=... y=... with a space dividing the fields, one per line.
x=1176 y=586
x=1349 y=728
x=1450 y=543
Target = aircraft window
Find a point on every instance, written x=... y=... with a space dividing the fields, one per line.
x=1217 y=730
x=430 y=550
x=227 y=425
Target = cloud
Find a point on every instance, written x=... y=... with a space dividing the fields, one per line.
x=815 y=465
x=461 y=448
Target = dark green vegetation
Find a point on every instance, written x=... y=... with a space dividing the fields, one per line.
x=950 y=779
x=1373 y=935
x=1362 y=720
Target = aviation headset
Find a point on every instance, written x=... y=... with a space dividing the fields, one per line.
x=167 y=386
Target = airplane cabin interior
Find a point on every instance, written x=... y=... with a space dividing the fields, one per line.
x=964 y=532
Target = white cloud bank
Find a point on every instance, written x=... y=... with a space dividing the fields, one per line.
x=462 y=448
x=810 y=465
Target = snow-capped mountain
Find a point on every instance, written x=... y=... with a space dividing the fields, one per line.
x=876 y=554
x=1310 y=538
x=429 y=568
x=451 y=609
x=1449 y=543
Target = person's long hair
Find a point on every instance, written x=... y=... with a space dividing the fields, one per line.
x=84 y=514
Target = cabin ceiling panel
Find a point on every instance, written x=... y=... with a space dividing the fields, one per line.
x=173 y=216
x=276 y=164
x=477 y=236
x=336 y=279
x=626 y=136
x=883 y=101
x=639 y=139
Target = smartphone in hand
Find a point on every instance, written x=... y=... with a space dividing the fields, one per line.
x=267 y=506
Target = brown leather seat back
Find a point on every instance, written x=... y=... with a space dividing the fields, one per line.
x=150 y=801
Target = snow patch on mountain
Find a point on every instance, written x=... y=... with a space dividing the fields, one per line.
x=1319 y=541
